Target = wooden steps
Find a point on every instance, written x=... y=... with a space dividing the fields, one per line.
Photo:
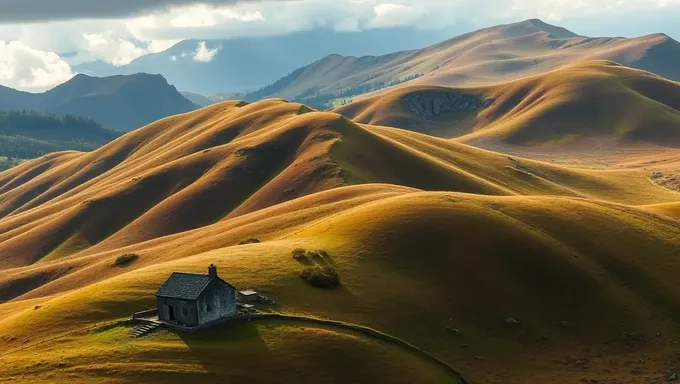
x=144 y=329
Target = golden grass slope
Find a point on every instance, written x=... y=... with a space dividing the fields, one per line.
x=484 y=57
x=413 y=264
x=428 y=236
x=592 y=101
x=230 y=159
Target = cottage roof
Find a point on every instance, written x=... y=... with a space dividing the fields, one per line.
x=186 y=286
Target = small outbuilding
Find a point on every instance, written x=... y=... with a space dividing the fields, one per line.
x=247 y=296
x=191 y=299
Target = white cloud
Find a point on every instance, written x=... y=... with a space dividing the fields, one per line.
x=26 y=68
x=116 y=50
x=206 y=16
x=391 y=15
x=382 y=10
x=203 y=54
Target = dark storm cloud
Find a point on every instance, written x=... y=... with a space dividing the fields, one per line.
x=19 y=11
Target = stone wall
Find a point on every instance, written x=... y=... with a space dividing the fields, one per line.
x=183 y=311
x=218 y=300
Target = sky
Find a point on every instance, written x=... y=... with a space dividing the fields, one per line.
x=41 y=40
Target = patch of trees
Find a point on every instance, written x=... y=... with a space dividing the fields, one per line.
x=29 y=134
x=324 y=101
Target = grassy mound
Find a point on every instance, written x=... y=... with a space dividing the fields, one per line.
x=591 y=100
x=290 y=353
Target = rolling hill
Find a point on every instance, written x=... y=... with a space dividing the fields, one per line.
x=436 y=243
x=482 y=57
x=121 y=102
x=598 y=104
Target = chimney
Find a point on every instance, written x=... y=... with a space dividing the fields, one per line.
x=212 y=270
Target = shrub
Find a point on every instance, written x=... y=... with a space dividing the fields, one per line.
x=126 y=259
x=299 y=254
x=319 y=256
x=251 y=240
x=322 y=277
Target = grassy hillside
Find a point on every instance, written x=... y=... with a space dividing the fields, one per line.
x=238 y=158
x=290 y=351
x=589 y=101
x=483 y=57
x=408 y=262
x=435 y=242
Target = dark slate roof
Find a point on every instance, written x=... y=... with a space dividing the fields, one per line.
x=186 y=286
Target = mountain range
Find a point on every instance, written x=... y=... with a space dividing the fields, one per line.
x=120 y=102
x=246 y=64
x=482 y=57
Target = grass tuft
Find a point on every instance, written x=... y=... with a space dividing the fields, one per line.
x=125 y=259
x=252 y=240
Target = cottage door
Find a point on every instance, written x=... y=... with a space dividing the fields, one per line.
x=171 y=313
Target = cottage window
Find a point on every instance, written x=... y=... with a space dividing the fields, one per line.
x=208 y=308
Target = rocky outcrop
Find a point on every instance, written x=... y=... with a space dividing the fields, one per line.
x=429 y=104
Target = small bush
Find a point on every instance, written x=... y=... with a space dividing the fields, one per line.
x=322 y=277
x=252 y=240
x=319 y=256
x=299 y=254
x=126 y=259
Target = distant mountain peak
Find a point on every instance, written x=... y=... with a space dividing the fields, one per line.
x=537 y=25
x=120 y=101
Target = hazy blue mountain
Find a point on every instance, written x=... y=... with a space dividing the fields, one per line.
x=247 y=64
x=200 y=100
x=122 y=102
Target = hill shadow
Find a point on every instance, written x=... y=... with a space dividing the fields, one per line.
x=225 y=351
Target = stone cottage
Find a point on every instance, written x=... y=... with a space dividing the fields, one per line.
x=190 y=299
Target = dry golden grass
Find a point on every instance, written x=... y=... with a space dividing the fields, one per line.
x=598 y=100
x=289 y=352
x=427 y=235
x=596 y=114
x=484 y=57
x=409 y=263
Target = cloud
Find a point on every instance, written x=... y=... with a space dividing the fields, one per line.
x=392 y=15
x=17 y=11
x=203 y=54
x=205 y=16
x=30 y=69
x=117 y=51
